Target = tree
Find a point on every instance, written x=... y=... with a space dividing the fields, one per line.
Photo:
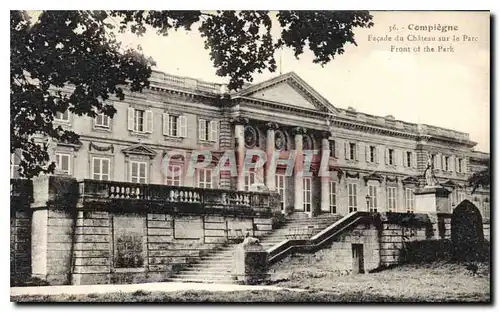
x=71 y=60
x=480 y=178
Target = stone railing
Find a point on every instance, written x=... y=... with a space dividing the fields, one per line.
x=21 y=189
x=96 y=190
x=184 y=82
x=307 y=245
x=437 y=131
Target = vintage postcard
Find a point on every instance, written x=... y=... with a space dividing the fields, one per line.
x=250 y=156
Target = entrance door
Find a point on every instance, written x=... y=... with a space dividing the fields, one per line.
x=280 y=187
x=307 y=194
x=358 y=265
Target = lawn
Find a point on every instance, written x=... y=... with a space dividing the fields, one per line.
x=436 y=282
x=432 y=282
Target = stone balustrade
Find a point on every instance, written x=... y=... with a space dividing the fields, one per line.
x=107 y=191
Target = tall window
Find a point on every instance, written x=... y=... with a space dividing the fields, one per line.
x=281 y=188
x=352 y=151
x=173 y=176
x=459 y=165
x=207 y=130
x=391 y=156
x=100 y=168
x=372 y=203
x=102 y=121
x=15 y=160
x=138 y=172
x=352 y=193
x=391 y=198
x=63 y=163
x=409 y=200
x=249 y=180
x=372 y=154
x=174 y=126
x=139 y=117
x=307 y=194
x=408 y=159
x=332 y=148
x=140 y=120
x=205 y=178
x=333 y=197
x=64 y=117
x=446 y=163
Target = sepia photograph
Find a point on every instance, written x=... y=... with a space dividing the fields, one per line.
x=250 y=156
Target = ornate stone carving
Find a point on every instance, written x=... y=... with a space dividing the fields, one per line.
x=101 y=148
x=352 y=175
x=272 y=126
x=239 y=120
x=307 y=143
x=324 y=134
x=299 y=130
x=279 y=140
x=251 y=137
x=391 y=179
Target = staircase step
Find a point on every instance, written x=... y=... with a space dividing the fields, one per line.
x=203 y=278
x=216 y=265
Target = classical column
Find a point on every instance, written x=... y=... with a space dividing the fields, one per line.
x=325 y=180
x=299 y=164
x=239 y=135
x=270 y=148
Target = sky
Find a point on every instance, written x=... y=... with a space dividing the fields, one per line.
x=445 y=89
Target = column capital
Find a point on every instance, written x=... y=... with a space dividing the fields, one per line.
x=299 y=130
x=239 y=120
x=325 y=134
x=272 y=126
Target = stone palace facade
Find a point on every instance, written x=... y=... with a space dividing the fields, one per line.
x=375 y=162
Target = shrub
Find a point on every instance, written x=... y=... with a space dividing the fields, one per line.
x=426 y=251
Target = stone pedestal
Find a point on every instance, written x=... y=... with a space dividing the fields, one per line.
x=249 y=264
x=432 y=199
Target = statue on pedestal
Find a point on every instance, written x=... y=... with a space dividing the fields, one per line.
x=430 y=178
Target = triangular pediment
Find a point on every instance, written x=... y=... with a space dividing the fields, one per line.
x=139 y=149
x=288 y=89
x=375 y=176
x=449 y=183
x=410 y=180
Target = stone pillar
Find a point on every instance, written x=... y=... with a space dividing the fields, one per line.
x=239 y=135
x=270 y=148
x=325 y=180
x=299 y=164
x=249 y=263
x=432 y=199
x=52 y=225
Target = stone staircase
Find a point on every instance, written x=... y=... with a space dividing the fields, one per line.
x=216 y=266
x=300 y=225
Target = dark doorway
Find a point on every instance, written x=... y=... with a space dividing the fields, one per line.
x=358 y=265
x=467 y=236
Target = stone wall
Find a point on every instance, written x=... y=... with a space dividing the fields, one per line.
x=169 y=243
x=381 y=237
x=59 y=240
x=112 y=247
x=20 y=245
x=341 y=251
